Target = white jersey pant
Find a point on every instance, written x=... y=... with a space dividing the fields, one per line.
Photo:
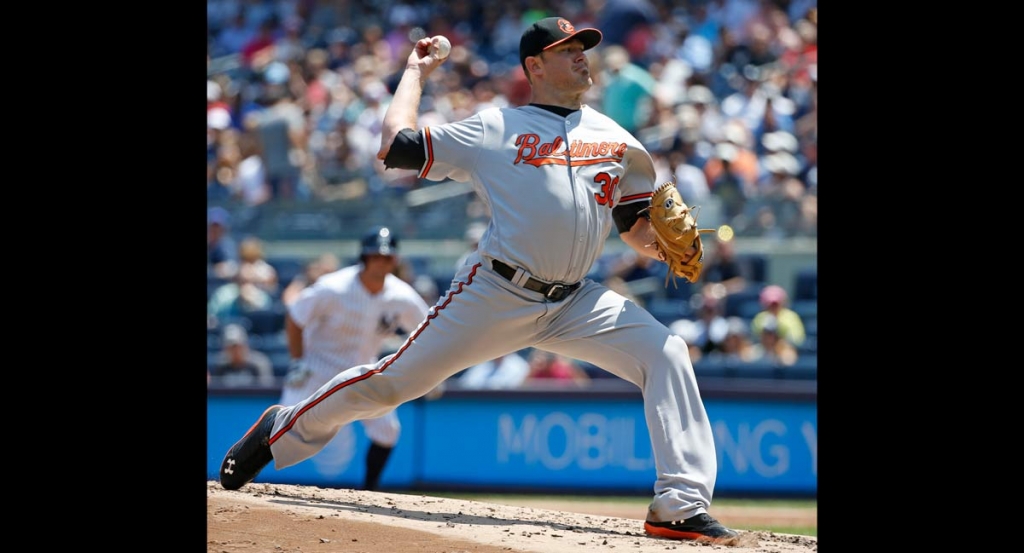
x=383 y=431
x=484 y=316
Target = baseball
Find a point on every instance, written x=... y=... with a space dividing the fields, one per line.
x=440 y=47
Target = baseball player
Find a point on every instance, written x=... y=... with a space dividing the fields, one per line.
x=556 y=175
x=342 y=320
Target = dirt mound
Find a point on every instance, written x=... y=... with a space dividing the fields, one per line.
x=287 y=518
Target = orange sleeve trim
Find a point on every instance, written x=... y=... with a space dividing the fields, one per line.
x=430 y=153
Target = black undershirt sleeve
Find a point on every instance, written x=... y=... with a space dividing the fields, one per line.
x=406 y=151
x=625 y=216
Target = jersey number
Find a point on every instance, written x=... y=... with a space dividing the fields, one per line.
x=607 y=194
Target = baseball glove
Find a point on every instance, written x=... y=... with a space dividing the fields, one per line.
x=676 y=231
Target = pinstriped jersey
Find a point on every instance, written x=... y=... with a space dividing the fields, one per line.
x=549 y=181
x=344 y=325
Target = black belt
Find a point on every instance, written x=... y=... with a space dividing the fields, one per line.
x=554 y=291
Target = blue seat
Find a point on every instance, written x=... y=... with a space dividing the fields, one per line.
x=221 y=322
x=443 y=281
x=748 y=308
x=681 y=289
x=754 y=369
x=255 y=341
x=805 y=368
x=279 y=360
x=735 y=302
x=667 y=310
x=274 y=343
x=810 y=345
x=709 y=367
x=287 y=268
x=756 y=266
x=807 y=309
x=420 y=263
x=266 y=321
x=806 y=285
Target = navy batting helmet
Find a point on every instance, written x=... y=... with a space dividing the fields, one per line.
x=380 y=240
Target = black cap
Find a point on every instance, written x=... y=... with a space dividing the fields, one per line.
x=380 y=240
x=550 y=31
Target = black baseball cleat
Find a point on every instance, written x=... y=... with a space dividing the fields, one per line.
x=249 y=455
x=702 y=528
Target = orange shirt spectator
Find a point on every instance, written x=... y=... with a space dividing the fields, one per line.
x=744 y=164
x=744 y=159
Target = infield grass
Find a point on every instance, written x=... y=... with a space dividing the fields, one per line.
x=582 y=503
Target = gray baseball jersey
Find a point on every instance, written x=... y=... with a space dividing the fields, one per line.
x=548 y=215
x=343 y=324
x=550 y=183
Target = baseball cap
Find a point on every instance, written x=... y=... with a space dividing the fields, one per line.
x=379 y=240
x=726 y=151
x=218 y=216
x=781 y=162
x=276 y=72
x=218 y=118
x=699 y=94
x=736 y=326
x=780 y=140
x=773 y=294
x=235 y=334
x=551 y=31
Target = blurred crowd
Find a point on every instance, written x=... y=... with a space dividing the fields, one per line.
x=723 y=93
x=734 y=320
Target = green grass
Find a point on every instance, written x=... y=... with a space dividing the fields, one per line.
x=640 y=504
x=809 y=504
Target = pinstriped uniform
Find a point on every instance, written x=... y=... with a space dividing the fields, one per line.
x=343 y=324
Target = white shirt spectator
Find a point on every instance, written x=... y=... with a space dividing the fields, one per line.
x=692 y=184
x=504 y=372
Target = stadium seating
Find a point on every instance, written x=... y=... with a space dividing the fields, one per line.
x=806 y=285
x=757 y=265
x=807 y=309
x=805 y=368
x=681 y=289
x=709 y=368
x=279 y=360
x=266 y=321
x=811 y=326
x=739 y=302
x=810 y=345
x=667 y=310
x=287 y=268
x=274 y=343
x=753 y=369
